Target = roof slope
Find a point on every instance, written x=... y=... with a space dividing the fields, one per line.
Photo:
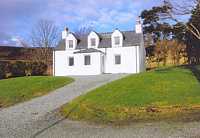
x=130 y=39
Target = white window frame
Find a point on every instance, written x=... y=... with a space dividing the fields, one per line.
x=85 y=60
x=69 y=61
x=95 y=42
x=115 y=59
x=117 y=37
x=93 y=35
x=71 y=43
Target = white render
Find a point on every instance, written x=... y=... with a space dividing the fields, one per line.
x=102 y=60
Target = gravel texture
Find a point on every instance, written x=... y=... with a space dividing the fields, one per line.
x=29 y=118
x=72 y=129
x=38 y=118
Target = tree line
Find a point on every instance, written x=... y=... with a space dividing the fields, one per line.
x=175 y=30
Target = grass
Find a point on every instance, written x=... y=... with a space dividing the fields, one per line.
x=165 y=94
x=21 y=89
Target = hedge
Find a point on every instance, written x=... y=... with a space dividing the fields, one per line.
x=3 y=69
x=20 y=69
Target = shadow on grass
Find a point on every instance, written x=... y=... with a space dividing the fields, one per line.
x=195 y=70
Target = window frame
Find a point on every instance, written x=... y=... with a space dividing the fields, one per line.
x=93 y=40
x=120 y=59
x=117 y=37
x=85 y=63
x=71 y=44
x=70 y=62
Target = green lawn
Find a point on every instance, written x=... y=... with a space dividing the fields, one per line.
x=21 y=89
x=170 y=93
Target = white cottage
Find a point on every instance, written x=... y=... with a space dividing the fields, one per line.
x=98 y=53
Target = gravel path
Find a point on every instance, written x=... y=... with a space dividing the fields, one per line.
x=71 y=129
x=28 y=119
x=38 y=118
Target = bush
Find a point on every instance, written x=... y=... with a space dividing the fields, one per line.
x=18 y=69
x=38 y=68
x=3 y=70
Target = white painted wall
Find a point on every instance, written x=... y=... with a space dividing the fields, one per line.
x=62 y=67
x=132 y=61
x=128 y=60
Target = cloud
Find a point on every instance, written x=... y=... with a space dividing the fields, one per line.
x=8 y=40
x=18 y=16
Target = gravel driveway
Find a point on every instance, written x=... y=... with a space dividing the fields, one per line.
x=26 y=119
x=38 y=118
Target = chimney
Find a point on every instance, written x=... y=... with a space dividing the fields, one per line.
x=65 y=33
x=138 y=27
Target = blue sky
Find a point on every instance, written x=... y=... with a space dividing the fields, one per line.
x=19 y=16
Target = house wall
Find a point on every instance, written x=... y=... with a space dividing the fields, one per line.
x=132 y=61
x=129 y=63
x=63 y=69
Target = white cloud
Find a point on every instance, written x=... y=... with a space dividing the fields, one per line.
x=18 y=16
x=99 y=13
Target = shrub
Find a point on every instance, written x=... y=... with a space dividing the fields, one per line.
x=3 y=70
x=38 y=68
x=18 y=69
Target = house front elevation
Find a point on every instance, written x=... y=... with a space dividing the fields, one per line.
x=98 y=53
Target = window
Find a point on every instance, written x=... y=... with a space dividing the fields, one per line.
x=117 y=40
x=87 y=60
x=117 y=59
x=93 y=42
x=71 y=61
x=71 y=44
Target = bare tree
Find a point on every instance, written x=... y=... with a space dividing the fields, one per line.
x=182 y=8
x=84 y=30
x=44 y=36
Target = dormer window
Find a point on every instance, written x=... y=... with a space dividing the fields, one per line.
x=93 y=42
x=71 y=44
x=117 y=40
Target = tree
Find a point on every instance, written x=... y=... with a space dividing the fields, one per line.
x=193 y=42
x=84 y=30
x=154 y=25
x=170 y=50
x=185 y=8
x=179 y=32
x=44 y=36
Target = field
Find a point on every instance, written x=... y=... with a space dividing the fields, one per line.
x=165 y=94
x=21 y=89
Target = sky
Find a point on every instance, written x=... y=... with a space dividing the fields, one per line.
x=17 y=17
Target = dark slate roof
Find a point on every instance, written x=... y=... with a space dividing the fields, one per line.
x=89 y=50
x=130 y=39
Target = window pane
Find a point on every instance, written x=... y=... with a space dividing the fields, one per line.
x=93 y=42
x=117 y=59
x=117 y=40
x=71 y=61
x=87 y=60
x=71 y=43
